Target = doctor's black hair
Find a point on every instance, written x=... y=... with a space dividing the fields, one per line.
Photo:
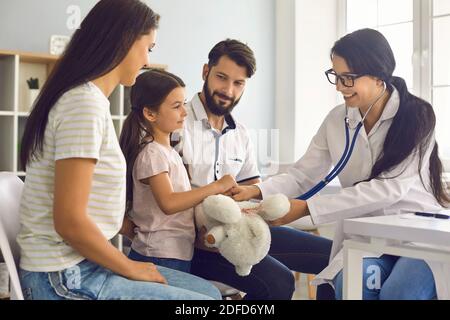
x=237 y=51
x=150 y=91
x=367 y=51
x=98 y=46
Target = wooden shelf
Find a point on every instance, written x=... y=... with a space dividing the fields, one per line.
x=30 y=56
x=15 y=68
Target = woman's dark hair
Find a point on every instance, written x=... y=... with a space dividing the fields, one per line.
x=368 y=52
x=103 y=40
x=237 y=51
x=150 y=91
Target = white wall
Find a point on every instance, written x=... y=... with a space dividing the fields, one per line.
x=317 y=30
x=285 y=108
x=306 y=31
x=188 y=30
x=291 y=40
x=26 y=25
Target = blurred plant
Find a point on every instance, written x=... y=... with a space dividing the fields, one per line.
x=33 y=83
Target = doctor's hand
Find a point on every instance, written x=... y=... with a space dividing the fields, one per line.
x=243 y=193
x=299 y=209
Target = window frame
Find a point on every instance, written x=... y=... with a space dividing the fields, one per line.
x=422 y=56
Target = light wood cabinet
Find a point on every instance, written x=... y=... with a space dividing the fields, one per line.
x=15 y=69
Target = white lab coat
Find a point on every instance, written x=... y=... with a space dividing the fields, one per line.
x=403 y=193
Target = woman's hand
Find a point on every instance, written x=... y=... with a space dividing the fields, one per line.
x=144 y=271
x=243 y=193
x=299 y=209
x=225 y=183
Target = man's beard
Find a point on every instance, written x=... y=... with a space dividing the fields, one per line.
x=212 y=106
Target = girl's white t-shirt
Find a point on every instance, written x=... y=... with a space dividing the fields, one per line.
x=160 y=235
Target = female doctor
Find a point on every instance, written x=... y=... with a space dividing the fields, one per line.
x=394 y=167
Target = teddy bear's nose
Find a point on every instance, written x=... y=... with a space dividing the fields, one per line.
x=210 y=239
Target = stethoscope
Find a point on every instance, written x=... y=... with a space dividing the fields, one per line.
x=348 y=150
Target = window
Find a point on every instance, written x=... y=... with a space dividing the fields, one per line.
x=394 y=19
x=417 y=31
x=441 y=75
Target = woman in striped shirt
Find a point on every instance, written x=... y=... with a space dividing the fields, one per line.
x=74 y=196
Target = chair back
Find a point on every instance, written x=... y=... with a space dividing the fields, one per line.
x=10 y=194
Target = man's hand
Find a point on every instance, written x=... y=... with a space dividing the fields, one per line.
x=226 y=183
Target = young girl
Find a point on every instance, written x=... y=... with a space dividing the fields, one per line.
x=74 y=195
x=158 y=187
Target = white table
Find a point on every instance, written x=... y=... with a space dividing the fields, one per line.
x=392 y=235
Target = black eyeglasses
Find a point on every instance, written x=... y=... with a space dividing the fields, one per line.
x=347 y=79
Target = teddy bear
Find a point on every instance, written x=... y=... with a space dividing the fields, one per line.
x=238 y=229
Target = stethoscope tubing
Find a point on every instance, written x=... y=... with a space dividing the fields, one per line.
x=348 y=150
x=339 y=166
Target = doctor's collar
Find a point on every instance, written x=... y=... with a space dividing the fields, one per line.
x=389 y=112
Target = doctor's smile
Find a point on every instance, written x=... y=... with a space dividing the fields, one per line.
x=347 y=97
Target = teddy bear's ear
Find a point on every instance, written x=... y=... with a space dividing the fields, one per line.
x=222 y=209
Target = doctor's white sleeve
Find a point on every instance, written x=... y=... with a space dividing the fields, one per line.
x=377 y=194
x=305 y=173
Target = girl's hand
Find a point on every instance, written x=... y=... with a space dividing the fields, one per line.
x=225 y=183
x=243 y=193
x=128 y=228
x=299 y=209
x=145 y=271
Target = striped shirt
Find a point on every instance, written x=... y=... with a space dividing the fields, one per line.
x=79 y=126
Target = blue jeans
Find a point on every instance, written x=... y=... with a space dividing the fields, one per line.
x=393 y=278
x=89 y=281
x=272 y=278
x=176 y=264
